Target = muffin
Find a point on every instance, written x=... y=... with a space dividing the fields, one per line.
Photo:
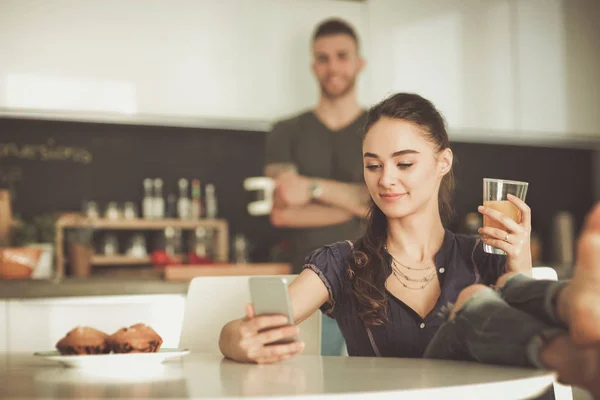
x=138 y=338
x=84 y=340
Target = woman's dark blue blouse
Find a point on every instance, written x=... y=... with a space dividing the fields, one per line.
x=459 y=262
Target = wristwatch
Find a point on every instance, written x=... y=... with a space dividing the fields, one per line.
x=315 y=190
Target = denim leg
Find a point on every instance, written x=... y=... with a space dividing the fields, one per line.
x=536 y=297
x=332 y=341
x=489 y=330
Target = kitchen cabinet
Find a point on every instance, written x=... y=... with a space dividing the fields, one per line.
x=558 y=65
x=522 y=69
x=234 y=59
x=456 y=54
x=37 y=324
x=3 y=327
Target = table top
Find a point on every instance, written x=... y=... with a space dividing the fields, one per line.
x=209 y=376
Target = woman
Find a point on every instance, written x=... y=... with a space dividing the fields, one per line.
x=390 y=291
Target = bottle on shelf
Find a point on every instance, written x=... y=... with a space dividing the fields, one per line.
x=159 y=201
x=240 y=249
x=211 y=201
x=196 y=203
x=199 y=243
x=148 y=200
x=183 y=203
x=170 y=241
x=171 y=211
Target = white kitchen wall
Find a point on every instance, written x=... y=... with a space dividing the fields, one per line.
x=521 y=66
x=504 y=69
x=240 y=59
x=3 y=327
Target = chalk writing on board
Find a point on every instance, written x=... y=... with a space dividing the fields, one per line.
x=46 y=152
x=9 y=175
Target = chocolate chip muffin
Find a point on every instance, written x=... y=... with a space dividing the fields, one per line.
x=138 y=338
x=84 y=340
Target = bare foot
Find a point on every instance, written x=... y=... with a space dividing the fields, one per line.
x=576 y=365
x=579 y=301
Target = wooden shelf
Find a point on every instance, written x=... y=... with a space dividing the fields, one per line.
x=119 y=260
x=78 y=221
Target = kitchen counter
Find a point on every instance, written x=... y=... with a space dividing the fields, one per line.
x=72 y=287
x=174 y=280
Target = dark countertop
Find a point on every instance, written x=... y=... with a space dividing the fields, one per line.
x=70 y=287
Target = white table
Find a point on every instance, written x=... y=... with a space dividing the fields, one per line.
x=309 y=377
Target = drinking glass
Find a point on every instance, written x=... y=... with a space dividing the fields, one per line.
x=495 y=192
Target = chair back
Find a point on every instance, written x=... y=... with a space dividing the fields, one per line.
x=213 y=301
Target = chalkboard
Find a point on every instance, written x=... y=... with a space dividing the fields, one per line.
x=54 y=165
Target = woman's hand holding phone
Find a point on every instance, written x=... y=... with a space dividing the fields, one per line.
x=266 y=339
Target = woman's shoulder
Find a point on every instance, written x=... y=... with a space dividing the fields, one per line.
x=338 y=253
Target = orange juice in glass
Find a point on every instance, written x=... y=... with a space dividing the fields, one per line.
x=495 y=192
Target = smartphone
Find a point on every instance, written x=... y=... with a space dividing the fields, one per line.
x=270 y=295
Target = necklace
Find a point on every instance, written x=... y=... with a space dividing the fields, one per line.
x=427 y=278
x=406 y=266
x=397 y=274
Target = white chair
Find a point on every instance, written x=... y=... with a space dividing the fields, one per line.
x=544 y=273
x=561 y=392
x=213 y=301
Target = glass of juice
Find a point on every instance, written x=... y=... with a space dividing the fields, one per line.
x=495 y=193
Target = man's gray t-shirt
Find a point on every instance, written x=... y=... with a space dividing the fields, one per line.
x=319 y=152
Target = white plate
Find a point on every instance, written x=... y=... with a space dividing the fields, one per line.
x=113 y=359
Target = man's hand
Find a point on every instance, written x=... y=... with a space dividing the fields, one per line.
x=291 y=190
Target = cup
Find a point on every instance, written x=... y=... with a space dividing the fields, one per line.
x=264 y=186
x=495 y=192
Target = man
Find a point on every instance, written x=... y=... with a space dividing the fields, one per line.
x=315 y=158
x=325 y=200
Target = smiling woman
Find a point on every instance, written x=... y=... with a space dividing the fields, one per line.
x=409 y=287
x=388 y=289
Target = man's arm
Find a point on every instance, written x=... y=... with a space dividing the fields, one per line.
x=297 y=190
x=352 y=197
x=310 y=215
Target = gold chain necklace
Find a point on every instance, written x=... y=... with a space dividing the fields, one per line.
x=427 y=279
x=406 y=266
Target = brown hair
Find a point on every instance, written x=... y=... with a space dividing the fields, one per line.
x=334 y=26
x=367 y=273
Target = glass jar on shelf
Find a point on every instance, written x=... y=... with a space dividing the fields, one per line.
x=137 y=246
x=200 y=246
x=112 y=211
x=110 y=245
x=90 y=209
x=130 y=210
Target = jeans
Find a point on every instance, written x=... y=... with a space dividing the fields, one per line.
x=506 y=325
